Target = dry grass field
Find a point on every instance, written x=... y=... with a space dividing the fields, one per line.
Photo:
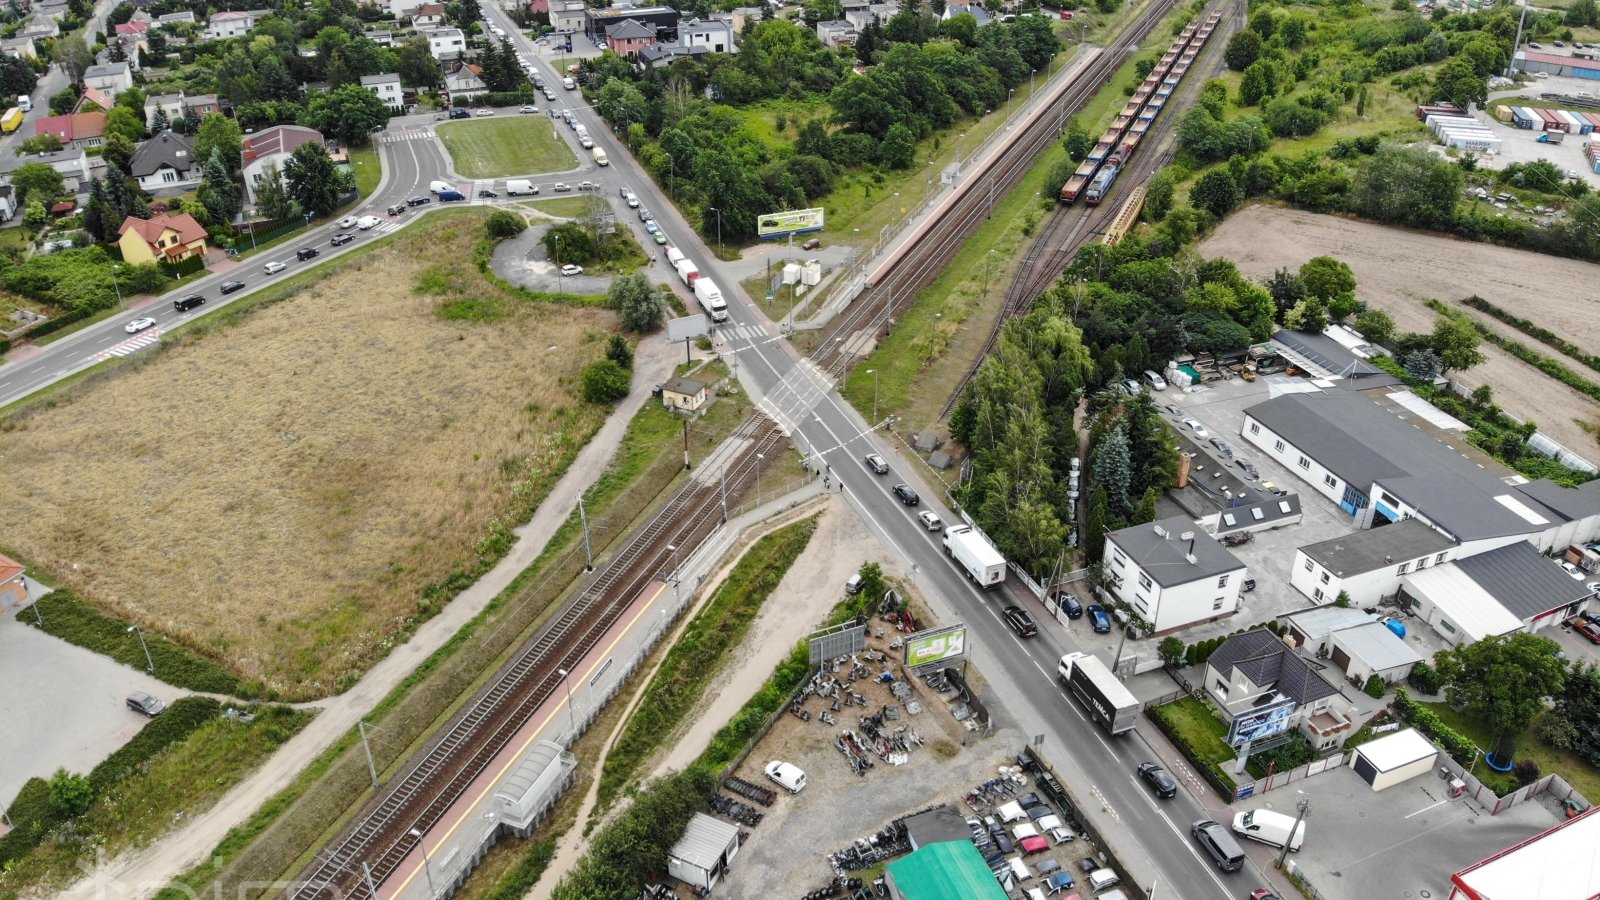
x=1398 y=270
x=279 y=492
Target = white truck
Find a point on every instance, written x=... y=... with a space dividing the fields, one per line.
x=975 y=555
x=1108 y=700
x=686 y=271
x=519 y=186
x=674 y=255
x=705 y=290
x=1269 y=827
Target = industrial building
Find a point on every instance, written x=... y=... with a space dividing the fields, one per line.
x=1505 y=590
x=1368 y=566
x=1553 y=854
x=1534 y=62
x=1355 y=641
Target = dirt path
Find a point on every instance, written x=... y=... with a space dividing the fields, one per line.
x=1397 y=270
x=144 y=872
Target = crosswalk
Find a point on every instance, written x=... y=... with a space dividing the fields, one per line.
x=801 y=390
x=746 y=332
x=406 y=134
x=132 y=345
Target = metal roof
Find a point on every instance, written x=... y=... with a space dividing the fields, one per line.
x=1523 y=580
x=1377 y=548
x=1543 y=867
x=1470 y=608
x=704 y=841
x=1320 y=621
x=1324 y=357
x=937 y=825
x=1377 y=646
x=943 y=871
x=1569 y=503
x=1159 y=550
x=1402 y=748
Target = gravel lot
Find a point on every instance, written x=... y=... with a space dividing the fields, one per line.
x=1397 y=270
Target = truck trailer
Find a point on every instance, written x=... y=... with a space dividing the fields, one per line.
x=1108 y=700
x=686 y=270
x=975 y=555
x=705 y=290
x=674 y=256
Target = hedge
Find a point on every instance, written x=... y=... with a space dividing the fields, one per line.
x=1544 y=335
x=1225 y=786
x=1529 y=355
x=1428 y=722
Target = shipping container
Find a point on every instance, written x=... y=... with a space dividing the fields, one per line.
x=1575 y=125
x=1522 y=117
x=1551 y=121
x=1443 y=109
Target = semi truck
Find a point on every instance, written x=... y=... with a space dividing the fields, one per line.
x=12 y=120
x=705 y=290
x=1108 y=700
x=975 y=555
x=686 y=271
x=675 y=256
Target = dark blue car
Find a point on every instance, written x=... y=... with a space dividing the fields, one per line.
x=1102 y=622
x=1069 y=604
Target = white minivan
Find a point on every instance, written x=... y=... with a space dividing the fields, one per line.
x=1269 y=827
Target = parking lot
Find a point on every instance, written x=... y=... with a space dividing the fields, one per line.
x=1522 y=145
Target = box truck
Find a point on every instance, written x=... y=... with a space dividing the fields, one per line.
x=975 y=555
x=519 y=186
x=1108 y=700
x=674 y=255
x=686 y=272
x=11 y=121
x=1269 y=827
x=705 y=290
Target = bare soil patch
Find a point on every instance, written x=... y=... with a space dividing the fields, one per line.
x=282 y=491
x=1398 y=270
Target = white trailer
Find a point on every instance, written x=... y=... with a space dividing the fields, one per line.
x=674 y=255
x=975 y=555
x=710 y=297
x=686 y=271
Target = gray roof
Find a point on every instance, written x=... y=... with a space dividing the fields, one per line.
x=1363 y=443
x=630 y=29
x=658 y=52
x=1571 y=504
x=165 y=149
x=1377 y=646
x=1523 y=580
x=106 y=69
x=10 y=162
x=1318 y=622
x=937 y=825
x=1253 y=510
x=705 y=840
x=1164 y=556
x=681 y=385
x=1332 y=357
x=385 y=78
x=1268 y=662
x=1375 y=548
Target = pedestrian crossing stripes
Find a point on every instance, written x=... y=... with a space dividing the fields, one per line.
x=747 y=332
x=800 y=391
x=131 y=345
x=406 y=134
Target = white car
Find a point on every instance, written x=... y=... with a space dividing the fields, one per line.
x=367 y=222
x=347 y=222
x=930 y=520
x=1573 y=570
x=1198 y=429
x=528 y=109
x=139 y=324
x=787 y=775
x=570 y=269
x=485 y=113
x=273 y=268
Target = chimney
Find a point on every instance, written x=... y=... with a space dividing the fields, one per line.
x=1161 y=532
x=1185 y=462
x=1190 y=556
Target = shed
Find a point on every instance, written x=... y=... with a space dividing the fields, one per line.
x=1371 y=649
x=684 y=394
x=941 y=871
x=1394 y=758
x=701 y=857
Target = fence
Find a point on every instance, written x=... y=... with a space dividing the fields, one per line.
x=1072 y=811
x=1280 y=779
x=1552 y=784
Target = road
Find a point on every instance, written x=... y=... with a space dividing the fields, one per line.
x=1150 y=837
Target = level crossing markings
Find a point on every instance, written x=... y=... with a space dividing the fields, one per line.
x=132 y=345
x=801 y=390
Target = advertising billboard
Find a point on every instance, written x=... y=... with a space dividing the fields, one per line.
x=783 y=224
x=935 y=645
x=1260 y=723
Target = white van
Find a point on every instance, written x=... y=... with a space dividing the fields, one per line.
x=518 y=186
x=1019 y=869
x=439 y=187
x=787 y=775
x=1269 y=827
x=1156 y=382
x=569 y=84
x=24 y=103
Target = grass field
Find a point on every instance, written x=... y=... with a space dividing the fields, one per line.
x=364 y=162
x=505 y=145
x=1578 y=773
x=333 y=469
x=561 y=207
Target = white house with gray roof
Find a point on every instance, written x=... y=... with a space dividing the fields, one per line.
x=1172 y=573
x=1368 y=565
x=387 y=89
x=165 y=164
x=1256 y=676
x=1506 y=590
x=112 y=78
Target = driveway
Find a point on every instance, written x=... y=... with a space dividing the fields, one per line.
x=525 y=262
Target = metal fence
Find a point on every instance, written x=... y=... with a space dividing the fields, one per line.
x=1551 y=784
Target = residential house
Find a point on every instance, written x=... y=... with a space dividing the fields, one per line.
x=74 y=130
x=134 y=28
x=387 y=88
x=203 y=105
x=73 y=164
x=1501 y=591
x=713 y=34
x=629 y=37
x=446 y=43
x=428 y=15
x=836 y=33
x=464 y=82
x=1368 y=566
x=663 y=54
x=177 y=18
x=740 y=15
x=539 y=6
x=40 y=27
x=402 y=9
x=19 y=47
x=93 y=99
x=8 y=202
x=1172 y=574
x=55 y=10
x=171 y=104
x=973 y=9
x=113 y=78
x=236 y=23
x=172 y=238
x=381 y=37
x=13 y=585
x=568 y=15
x=166 y=163
x=1262 y=688
x=271 y=147
x=664 y=19
x=683 y=395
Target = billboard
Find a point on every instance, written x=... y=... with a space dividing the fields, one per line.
x=935 y=645
x=1260 y=723
x=784 y=224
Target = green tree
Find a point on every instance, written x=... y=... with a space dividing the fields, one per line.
x=118 y=153
x=1582 y=13
x=1375 y=686
x=159 y=122
x=1574 y=724
x=636 y=303
x=219 y=134
x=619 y=351
x=873 y=584
x=1243 y=49
x=1408 y=186
x=570 y=243
x=1327 y=279
x=1112 y=469
x=1259 y=82
x=122 y=121
x=899 y=147
x=1422 y=365
x=502 y=225
x=1375 y=325
x=603 y=381
x=1096 y=522
x=1457 y=82
x=37 y=181
x=35 y=216
x=1307 y=315
x=314 y=180
x=1504 y=682
x=17 y=77
x=272 y=194
x=350 y=113
x=416 y=65
x=39 y=143
x=1158 y=194
x=1216 y=192
x=1455 y=339
x=1170 y=650
x=218 y=192
x=1078 y=142
x=71 y=794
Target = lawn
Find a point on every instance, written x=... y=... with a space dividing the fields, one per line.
x=1578 y=773
x=560 y=207
x=291 y=525
x=505 y=145
x=369 y=171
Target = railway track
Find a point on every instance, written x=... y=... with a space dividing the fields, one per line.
x=476 y=736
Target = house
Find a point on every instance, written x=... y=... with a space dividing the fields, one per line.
x=1355 y=641
x=568 y=15
x=1368 y=566
x=663 y=54
x=72 y=163
x=74 y=130
x=271 y=147
x=113 y=78
x=464 y=82
x=13 y=585
x=19 y=47
x=713 y=34
x=39 y=28
x=428 y=15
x=165 y=163
x=664 y=19
x=945 y=869
x=700 y=858
x=162 y=237
x=203 y=105
x=1172 y=574
x=387 y=87
x=55 y=10
x=134 y=28
x=629 y=37
x=176 y=18
x=93 y=99
x=742 y=14
x=1263 y=688
x=236 y=23
x=971 y=9
x=446 y=43
x=836 y=33
x=170 y=104
x=683 y=394
x=382 y=38
x=539 y=6
x=402 y=9
x=1507 y=589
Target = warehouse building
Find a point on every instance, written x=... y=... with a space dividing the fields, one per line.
x=1534 y=62
x=1553 y=854
x=1368 y=566
x=1503 y=591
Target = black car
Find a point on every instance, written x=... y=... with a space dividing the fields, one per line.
x=419 y=201
x=183 y=304
x=339 y=240
x=1069 y=604
x=459 y=113
x=1225 y=451
x=1248 y=469
x=1102 y=622
x=305 y=253
x=397 y=210
x=229 y=287
x=906 y=494
x=1159 y=780
x=488 y=195
x=1020 y=621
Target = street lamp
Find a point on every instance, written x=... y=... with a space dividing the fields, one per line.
x=427 y=866
x=874 y=374
x=149 y=664
x=719 y=227
x=759 y=458
x=572 y=720
x=115 y=269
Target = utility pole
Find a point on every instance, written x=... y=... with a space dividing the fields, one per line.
x=686 y=444
x=722 y=485
x=372 y=770
x=588 y=557
x=1302 y=806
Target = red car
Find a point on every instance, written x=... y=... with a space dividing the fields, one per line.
x=1589 y=630
x=1262 y=894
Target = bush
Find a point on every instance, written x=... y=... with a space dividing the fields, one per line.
x=1428 y=722
x=1375 y=686
x=604 y=382
x=1527 y=771
x=1425 y=679
x=619 y=351
x=502 y=225
x=70 y=794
